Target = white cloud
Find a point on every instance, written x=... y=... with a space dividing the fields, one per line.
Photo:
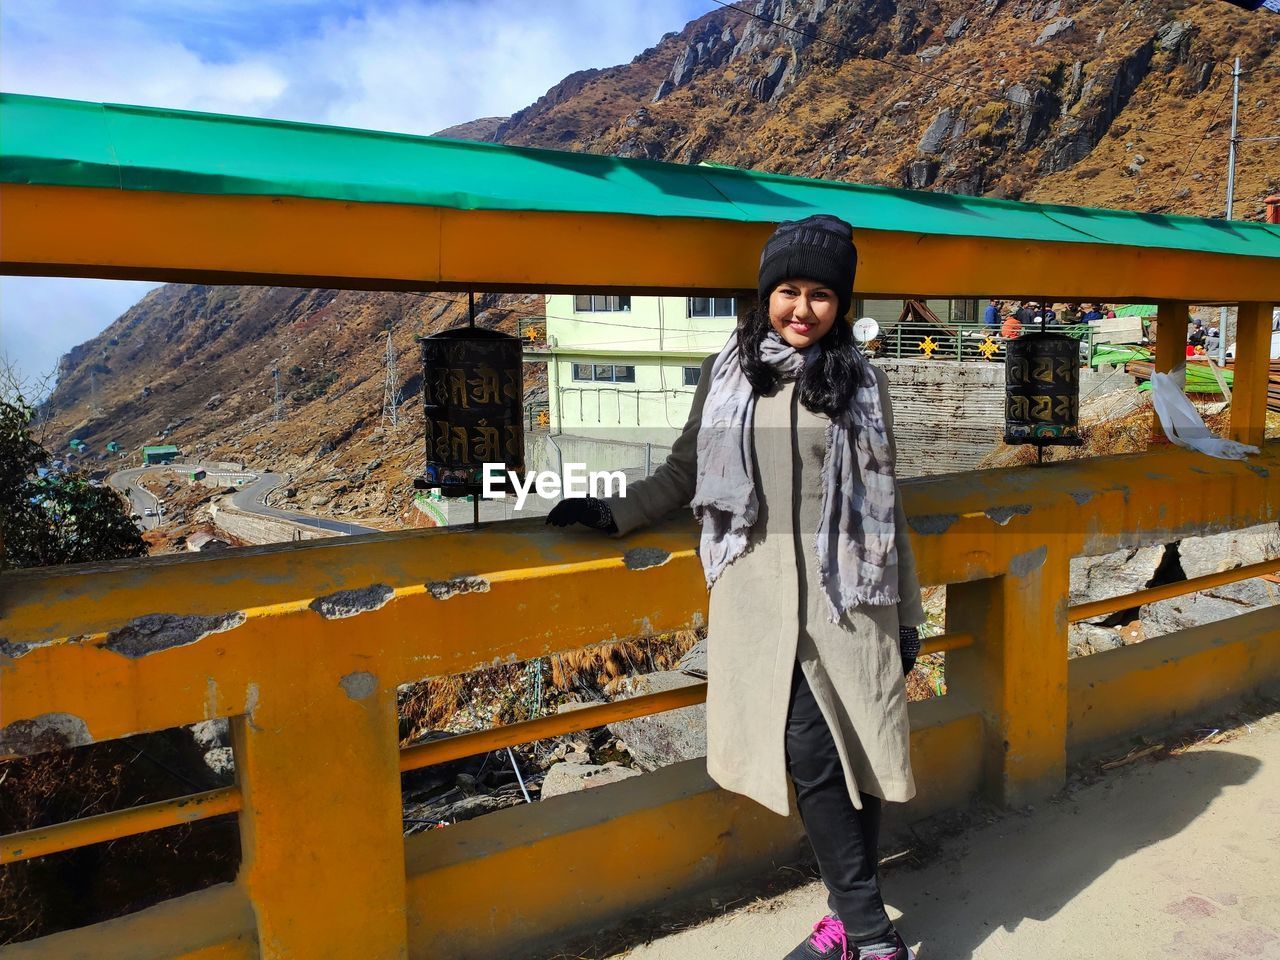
x=415 y=66
x=42 y=318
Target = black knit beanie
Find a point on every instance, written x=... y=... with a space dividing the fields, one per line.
x=816 y=248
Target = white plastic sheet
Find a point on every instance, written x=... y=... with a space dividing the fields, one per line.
x=1181 y=420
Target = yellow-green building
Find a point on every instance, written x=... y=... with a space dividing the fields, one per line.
x=625 y=368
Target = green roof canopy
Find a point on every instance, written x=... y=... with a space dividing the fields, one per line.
x=78 y=144
x=168 y=448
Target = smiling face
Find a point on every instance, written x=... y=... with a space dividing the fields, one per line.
x=802 y=311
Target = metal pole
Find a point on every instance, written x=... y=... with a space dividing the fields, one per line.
x=1231 y=193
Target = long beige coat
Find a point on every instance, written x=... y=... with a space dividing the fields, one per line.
x=767 y=611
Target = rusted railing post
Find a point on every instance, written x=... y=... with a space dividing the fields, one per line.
x=1253 y=360
x=317 y=758
x=1015 y=674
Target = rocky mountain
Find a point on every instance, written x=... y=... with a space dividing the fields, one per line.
x=1099 y=102
x=1120 y=103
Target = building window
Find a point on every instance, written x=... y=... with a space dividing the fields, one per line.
x=692 y=375
x=713 y=307
x=604 y=372
x=596 y=303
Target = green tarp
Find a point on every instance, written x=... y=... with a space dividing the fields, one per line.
x=1136 y=310
x=1118 y=354
x=1200 y=379
x=80 y=144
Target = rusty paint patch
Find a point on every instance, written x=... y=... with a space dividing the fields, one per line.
x=156 y=632
x=1081 y=497
x=15 y=650
x=1003 y=515
x=444 y=589
x=1027 y=563
x=1263 y=472
x=351 y=603
x=49 y=731
x=642 y=558
x=932 y=523
x=359 y=685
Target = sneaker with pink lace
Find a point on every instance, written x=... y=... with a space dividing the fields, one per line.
x=828 y=941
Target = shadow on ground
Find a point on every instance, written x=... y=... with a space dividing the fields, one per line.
x=1030 y=866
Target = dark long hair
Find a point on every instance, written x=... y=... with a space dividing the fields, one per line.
x=827 y=385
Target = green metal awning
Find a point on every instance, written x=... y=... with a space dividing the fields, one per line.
x=80 y=144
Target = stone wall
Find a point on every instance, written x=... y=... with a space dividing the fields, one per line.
x=949 y=415
x=255 y=529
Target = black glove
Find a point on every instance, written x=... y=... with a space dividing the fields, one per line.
x=587 y=511
x=908 y=647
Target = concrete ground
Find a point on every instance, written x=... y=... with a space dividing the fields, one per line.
x=1176 y=858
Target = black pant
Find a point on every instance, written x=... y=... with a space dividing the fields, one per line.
x=845 y=840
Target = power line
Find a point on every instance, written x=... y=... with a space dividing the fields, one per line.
x=542 y=316
x=1200 y=143
x=731 y=4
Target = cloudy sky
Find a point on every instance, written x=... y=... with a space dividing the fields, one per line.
x=415 y=66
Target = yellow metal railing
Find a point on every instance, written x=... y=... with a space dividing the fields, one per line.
x=303 y=646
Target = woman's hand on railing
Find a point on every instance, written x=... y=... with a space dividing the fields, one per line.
x=588 y=511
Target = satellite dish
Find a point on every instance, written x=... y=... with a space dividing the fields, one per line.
x=866 y=330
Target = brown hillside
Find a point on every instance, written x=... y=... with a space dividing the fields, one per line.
x=1099 y=102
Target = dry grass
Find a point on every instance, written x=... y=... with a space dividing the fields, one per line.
x=520 y=691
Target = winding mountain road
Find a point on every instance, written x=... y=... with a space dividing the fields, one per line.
x=252 y=499
x=249 y=499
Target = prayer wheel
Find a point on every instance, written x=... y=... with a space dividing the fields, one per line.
x=472 y=386
x=1042 y=390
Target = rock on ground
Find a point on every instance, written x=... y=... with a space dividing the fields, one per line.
x=663 y=738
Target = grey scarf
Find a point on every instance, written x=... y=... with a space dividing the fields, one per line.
x=857 y=559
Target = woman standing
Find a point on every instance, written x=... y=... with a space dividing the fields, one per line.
x=788 y=460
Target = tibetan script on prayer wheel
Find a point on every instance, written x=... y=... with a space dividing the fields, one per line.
x=472 y=390
x=1042 y=390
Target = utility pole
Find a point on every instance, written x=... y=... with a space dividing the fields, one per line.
x=1231 y=193
x=279 y=403
x=391 y=387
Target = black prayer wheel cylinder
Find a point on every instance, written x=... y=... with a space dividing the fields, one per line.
x=473 y=389
x=1042 y=390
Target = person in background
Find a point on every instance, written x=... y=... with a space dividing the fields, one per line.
x=1071 y=314
x=991 y=316
x=1196 y=337
x=1050 y=315
x=1092 y=314
x=1011 y=329
x=1026 y=312
x=1111 y=314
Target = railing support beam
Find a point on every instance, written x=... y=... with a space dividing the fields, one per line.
x=1171 y=349
x=1253 y=360
x=1016 y=672
x=321 y=825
